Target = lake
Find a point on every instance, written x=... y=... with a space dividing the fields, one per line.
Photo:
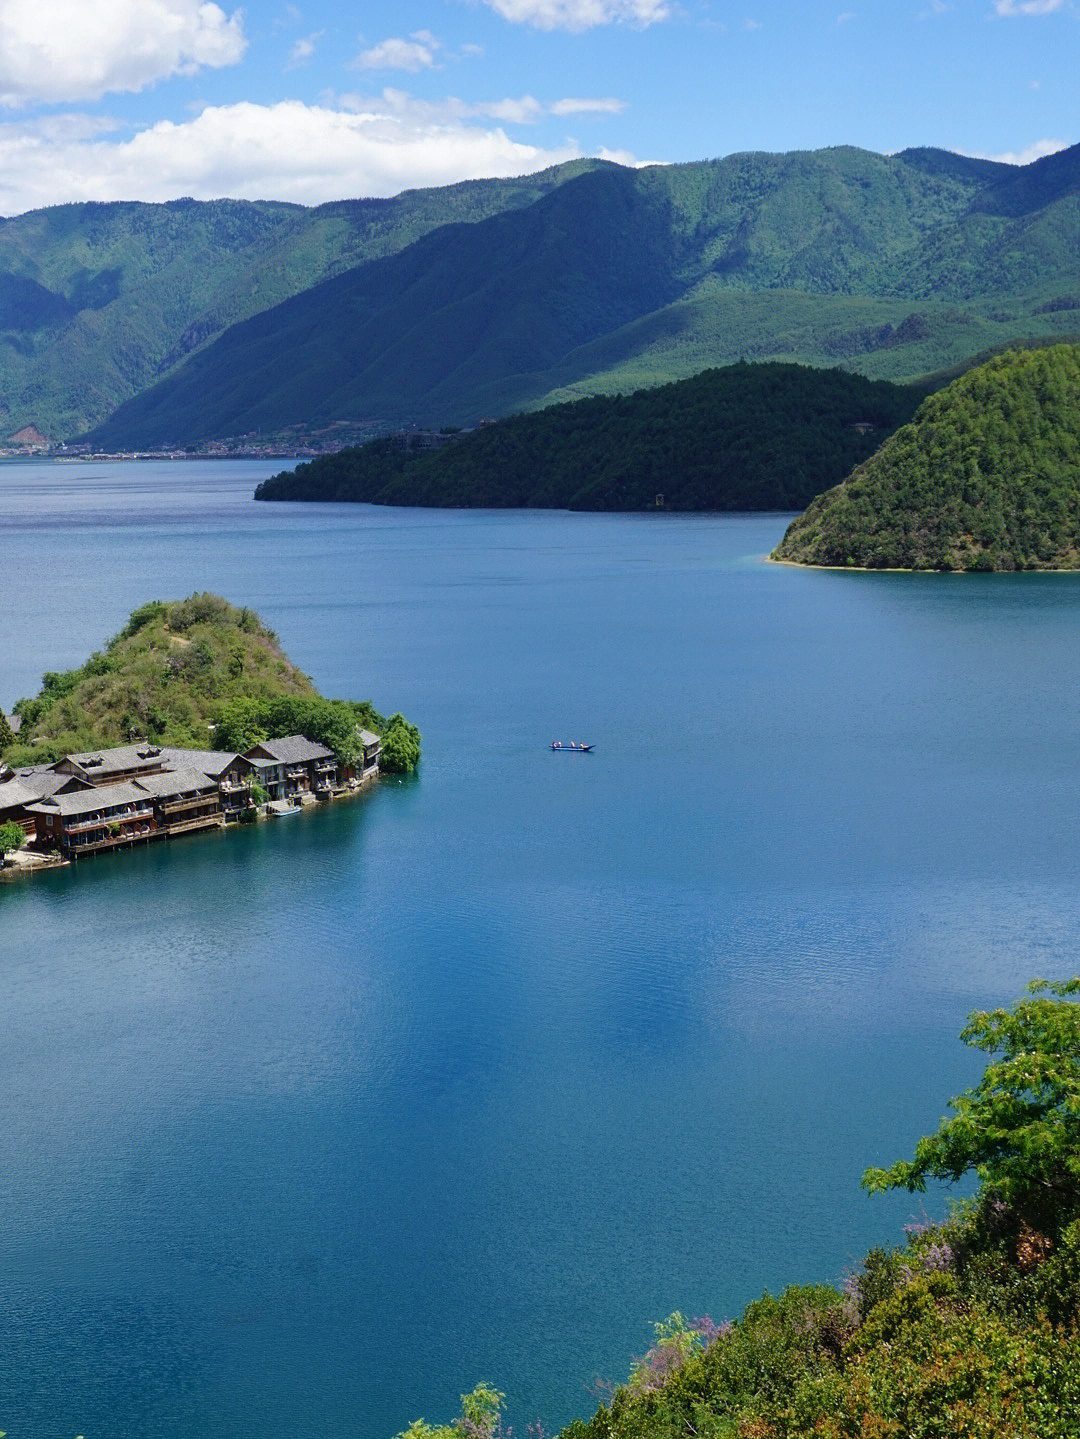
x=309 y=1128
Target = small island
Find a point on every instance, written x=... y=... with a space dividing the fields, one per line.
x=986 y=477
x=191 y=718
x=744 y=437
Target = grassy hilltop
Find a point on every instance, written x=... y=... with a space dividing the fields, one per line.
x=198 y=673
x=986 y=477
x=749 y=437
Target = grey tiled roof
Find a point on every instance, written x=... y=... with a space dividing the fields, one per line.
x=367 y=738
x=87 y=801
x=211 y=761
x=294 y=749
x=173 y=782
x=32 y=771
x=17 y=793
x=122 y=757
x=42 y=780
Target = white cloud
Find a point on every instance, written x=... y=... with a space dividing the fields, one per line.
x=514 y=110
x=1027 y=7
x=63 y=50
x=624 y=157
x=579 y=15
x=416 y=53
x=1035 y=151
x=288 y=151
x=607 y=106
x=750 y=24
x=303 y=49
x=524 y=111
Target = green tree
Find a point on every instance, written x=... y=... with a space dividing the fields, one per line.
x=6 y=737
x=479 y=1419
x=1019 y=1128
x=400 y=746
x=480 y=1412
x=12 y=837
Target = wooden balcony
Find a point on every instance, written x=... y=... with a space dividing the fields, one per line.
x=175 y=806
x=103 y=822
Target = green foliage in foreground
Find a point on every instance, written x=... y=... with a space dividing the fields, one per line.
x=986 y=477
x=748 y=437
x=197 y=672
x=969 y=1331
x=12 y=837
x=1019 y=1129
x=480 y=1418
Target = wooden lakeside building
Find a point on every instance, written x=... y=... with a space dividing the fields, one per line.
x=132 y=794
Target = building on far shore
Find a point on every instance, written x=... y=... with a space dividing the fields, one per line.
x=131 y=794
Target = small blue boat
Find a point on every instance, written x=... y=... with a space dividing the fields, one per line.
x=557 y=744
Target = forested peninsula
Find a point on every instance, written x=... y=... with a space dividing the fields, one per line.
x=968 y=1330
x=197 y=673
x=745 y=437
x=986 y=477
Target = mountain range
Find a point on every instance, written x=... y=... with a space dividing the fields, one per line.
x=184 y=323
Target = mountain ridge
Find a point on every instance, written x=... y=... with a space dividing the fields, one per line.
x=895 y=265
x=138 y=325
x=99 y=300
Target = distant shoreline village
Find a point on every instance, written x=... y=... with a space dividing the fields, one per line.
x=111 y=799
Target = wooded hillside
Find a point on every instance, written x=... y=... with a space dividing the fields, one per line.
x=986 y=477
x=749 y=437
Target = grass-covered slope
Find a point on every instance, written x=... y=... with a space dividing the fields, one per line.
x=749 y=437
x=967 y=1331
x=986 y=477
x=98 y=301
x=198 y=673
x=895 y=265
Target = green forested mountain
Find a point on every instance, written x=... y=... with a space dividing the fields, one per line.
x=216 y=319
x=748 y=437
x=986 y=477
x=97 y=301
x=617 y=278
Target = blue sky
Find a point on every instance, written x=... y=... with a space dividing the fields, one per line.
x=319 y=99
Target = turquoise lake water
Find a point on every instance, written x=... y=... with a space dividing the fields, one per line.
x=307 y=1129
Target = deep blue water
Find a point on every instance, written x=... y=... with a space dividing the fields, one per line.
x=308 y=1129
